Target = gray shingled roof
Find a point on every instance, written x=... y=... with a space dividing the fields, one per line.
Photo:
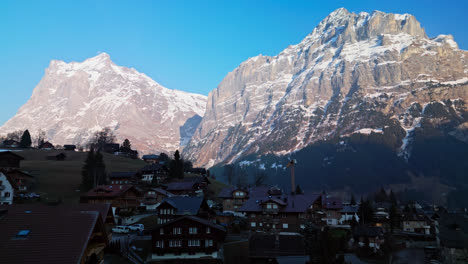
x=294 y=203
x=185 y=205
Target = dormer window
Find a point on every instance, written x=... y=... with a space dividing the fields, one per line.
x=192 y=230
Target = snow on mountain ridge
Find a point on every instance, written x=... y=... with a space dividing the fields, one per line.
x=73 y=100
x=285 y=102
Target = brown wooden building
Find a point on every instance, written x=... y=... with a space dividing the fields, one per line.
x=153 y=197
x=284 y=213
x=9 y=159
x=119 y=196
x=173 y=207
x=24 y=181
x=188 y=239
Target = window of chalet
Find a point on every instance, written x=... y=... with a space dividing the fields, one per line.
x=7 y=194
x=253 y=224
x=160 y=244
x=285 y=226
x=192 y=230
x=252 y=215
x=208 y=230
x=272 y=206
x=161 y=230
x=194 y=243
x=208 y=243
x=177 y=230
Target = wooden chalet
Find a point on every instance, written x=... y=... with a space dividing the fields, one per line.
x=125 y=197
x=153 y=197
x=35 y=233
x=9 y=143
x=188 y=239
x=373 y=234
x=7 y=189
x=331 y=208
x=23 y=180
x=280 y=213
x=46 y=145
x=122 y=178
x=154 y=170
x=151 y=158
x=69 y=147
x=190 y=186
x=176 y=206
x=9 y=159
x=234 y=197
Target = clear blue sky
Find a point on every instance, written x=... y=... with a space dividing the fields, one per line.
x=184 y=45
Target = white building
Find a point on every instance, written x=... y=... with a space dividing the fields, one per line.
x=6 y=190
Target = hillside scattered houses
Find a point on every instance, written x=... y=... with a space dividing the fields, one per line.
x=147 y=215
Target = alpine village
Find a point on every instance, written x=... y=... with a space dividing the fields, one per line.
x=163 y=210
x=348 y=147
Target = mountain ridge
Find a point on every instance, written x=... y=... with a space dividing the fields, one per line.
x=74 y=100
x=283 y=103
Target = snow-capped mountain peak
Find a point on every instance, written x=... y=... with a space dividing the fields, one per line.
x=73 y=100
x=315 y=89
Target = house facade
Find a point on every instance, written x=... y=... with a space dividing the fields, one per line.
x=9 y=159
x=331 y=208
x=121 y=197
x=154 y=170
x=7 y=189
x=173 y=207
x=188 y=239
x=285 y=213
x=153 y=197
x=416 y=223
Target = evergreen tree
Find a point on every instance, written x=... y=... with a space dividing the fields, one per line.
x=353 y=200
x=126 y=146
x=87 y=172
x=393 y=217
x=176 y=168
x=163 y=157
x=393 y=198
x=299 y=190
x=93 y=172
x=26 y=139
x=365 y=212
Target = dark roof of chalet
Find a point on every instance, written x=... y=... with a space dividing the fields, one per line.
x=10 y=179
x=197 y=179
x=108 y=191
x=368 y=231
x=414 y=217
x=453 y=230
x=102 y=208
x=196 y=219
x=152 y=156
x=184 y=205
x=331 y=202
x=153 y=167
x=385 y=205
x=263 y=245
x=10 y=142
x=127 y=174
x=162 y=191
x=10 y=153
x=290 y=203
x=47 y=143
x=350 y=209
x=5 y=171
x=180 y=186
x=261 y=191
x=69 y=145
x=55 y=235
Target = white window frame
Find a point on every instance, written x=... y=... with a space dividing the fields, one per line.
x=285 y=226
x=253 y=224
x=208 y=230
x=161 y=231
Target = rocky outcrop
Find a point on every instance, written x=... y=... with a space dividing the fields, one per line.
x=353 y=72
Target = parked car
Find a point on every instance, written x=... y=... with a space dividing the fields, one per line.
x=121 y=229
x=137 y=227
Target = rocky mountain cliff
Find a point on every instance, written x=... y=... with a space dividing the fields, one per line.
x=355 y=73
x=74 y=100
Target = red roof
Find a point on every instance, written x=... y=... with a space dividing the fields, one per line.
x=109 y=190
